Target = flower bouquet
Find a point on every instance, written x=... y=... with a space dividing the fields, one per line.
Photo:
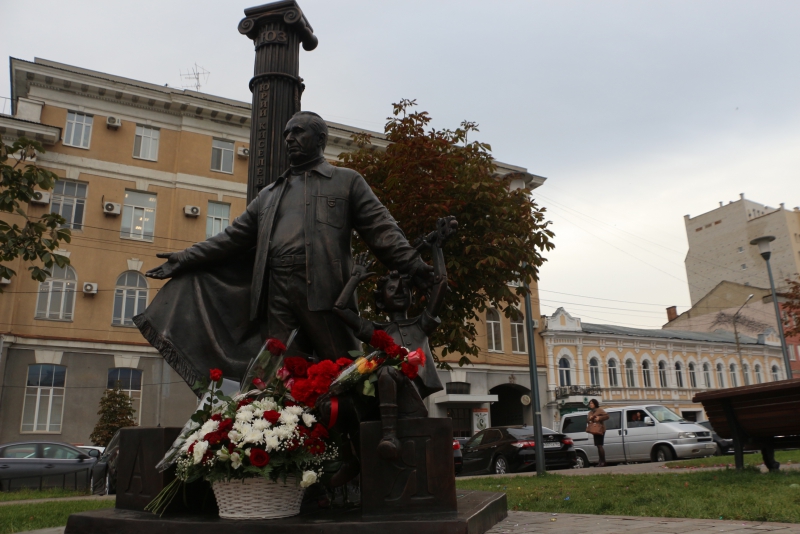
x=259 y=452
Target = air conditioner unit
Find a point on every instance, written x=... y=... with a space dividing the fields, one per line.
x=535 y=323
x=111 y=208
x=243 y=152
x=90 y=288
x=191 y=211
x=112 y=123
x=40 y=197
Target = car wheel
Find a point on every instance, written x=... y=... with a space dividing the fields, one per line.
x=718 y=450
x=663 y=454
x=500 y=465
x=582 y=461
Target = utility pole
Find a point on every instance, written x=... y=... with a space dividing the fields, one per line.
x=537 y=408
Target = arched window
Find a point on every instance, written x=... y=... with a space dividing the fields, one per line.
x=43 y=406
x=746 y=374
x=518 y=334
x=130 y=381
x=612 y=374
x=646 y=379
x=706 y=376
x=678 y=374
x=692 y=376
x=720 y=376
x=494 y=339
x=776 y=373
x=662 y=374
x=564 y=374
x=594 y=372
x=130 y=298
x=734 y=381
x=57 y=295
x=758 y=374
x=630 y=373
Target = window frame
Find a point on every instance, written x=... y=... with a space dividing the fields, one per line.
x=69 y=129
x=757 y=371
x=133 y=208
x=594 y=371
x=734 y=378
x=136 y=400
x=707 y=375
x=212 y=219
x=59 y=198
x=613 y=378
x=494 y=331
x=50 y=396
x=136 y=299
x=564 y=373
x=222 y=154
x=646 y=378
x=630 y=373
x=775 y=372
x=663 y=378
x=692 y=372
x=66 y=294
x=150 y=145
x=720 y=375
x=517 y=334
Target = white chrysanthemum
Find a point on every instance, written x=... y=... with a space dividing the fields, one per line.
x=199 y=451
x=288 y=418
x=194 y=436
x=254 y=436
x=309 y=477
x=236 y=460
x=258 y=412
x=260 y=424
x=244 y=415
x=209 y=426
x=271 y=443
x=296 y=410
x=309 y=419
x=283 y=432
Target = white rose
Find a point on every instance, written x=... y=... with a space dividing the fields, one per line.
x=199 y=451
x=236 y=460
x=309 y=477
x=309 y=419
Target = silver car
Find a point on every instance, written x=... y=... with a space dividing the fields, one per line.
x=44 y=465
x=648 y=433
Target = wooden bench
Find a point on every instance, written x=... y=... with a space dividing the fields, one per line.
x=764 y=416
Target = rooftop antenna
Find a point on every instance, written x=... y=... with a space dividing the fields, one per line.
x=196 y=77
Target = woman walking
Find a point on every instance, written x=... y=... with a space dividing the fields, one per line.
x=597 y=428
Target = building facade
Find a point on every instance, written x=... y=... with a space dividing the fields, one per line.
x=143 y=168
x=622 y=366
x=720 y=249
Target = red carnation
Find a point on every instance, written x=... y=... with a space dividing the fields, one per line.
x=343 y=362
x=272 y=416
x=319 y=431
x=213 y=438
x=297 y=366
x=259 y=457
x=225 y=425
x=215 y=374
x=275 y=346
x=190 y=450
x=409 y=370
x=315 y=446
x=325 y=368
x=207 y=456
x=244 y=402
x=231 y=447
x=303 y=392
x=396 y=351
x=381 y=340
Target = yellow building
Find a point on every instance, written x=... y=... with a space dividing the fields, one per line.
x=623 y=366
x=143 y=168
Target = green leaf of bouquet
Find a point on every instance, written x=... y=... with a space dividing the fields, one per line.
x=369 y=389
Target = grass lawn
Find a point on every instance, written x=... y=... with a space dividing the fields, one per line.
x=784 y=457
x=27 y=494
x=728 y=494
x=22 y=517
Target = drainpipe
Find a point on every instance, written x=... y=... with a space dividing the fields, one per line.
x=2 y=365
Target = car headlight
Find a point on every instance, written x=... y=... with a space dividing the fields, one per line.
x=684 y=435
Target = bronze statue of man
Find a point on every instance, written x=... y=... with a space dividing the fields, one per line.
x=301 y=227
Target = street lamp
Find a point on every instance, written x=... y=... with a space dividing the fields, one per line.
x=764 y=249
x=537 y=408
x=736 y=335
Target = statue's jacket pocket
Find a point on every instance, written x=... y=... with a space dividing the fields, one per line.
x=331 y=210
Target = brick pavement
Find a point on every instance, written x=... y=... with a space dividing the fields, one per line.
x=529 y=522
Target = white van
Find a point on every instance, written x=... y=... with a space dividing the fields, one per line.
x=649 y=433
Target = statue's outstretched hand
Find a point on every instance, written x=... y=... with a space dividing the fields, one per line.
x=362 y=266
x=165 y=270
x=423 y=277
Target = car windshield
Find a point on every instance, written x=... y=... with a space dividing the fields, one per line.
x=665 y=415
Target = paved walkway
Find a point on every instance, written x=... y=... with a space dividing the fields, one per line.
x=530 y=522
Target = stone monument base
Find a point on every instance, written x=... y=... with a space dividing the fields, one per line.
x=478 y=511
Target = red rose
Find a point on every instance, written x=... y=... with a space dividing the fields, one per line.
x=216 y=417
x=259 y=384
x=215 y=374
x=319 y=431
x=213 y=438
x=225 y=425
x=343 y=362
x=275 y=347
x=259 y=457
x=272 y=416
x=396 y=351
x=315 y=446
x=409 y=370
x=297 y=366
x=381 y=340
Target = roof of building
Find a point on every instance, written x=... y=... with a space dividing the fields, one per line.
x=719 y=336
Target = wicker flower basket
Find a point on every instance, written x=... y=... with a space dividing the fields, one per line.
x=258 y=498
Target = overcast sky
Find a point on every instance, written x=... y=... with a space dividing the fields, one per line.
x=636 y=112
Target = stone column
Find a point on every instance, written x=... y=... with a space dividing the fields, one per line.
x=277 y=30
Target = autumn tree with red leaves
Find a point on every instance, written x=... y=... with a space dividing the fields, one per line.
x=791 y=305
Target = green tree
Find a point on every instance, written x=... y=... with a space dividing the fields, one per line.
x=38 y=237
x=116 y=411
x=791 y=307
x=426 y=173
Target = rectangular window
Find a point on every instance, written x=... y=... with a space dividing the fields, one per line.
x=130 y=381
x=517 y=337
x=218 y=218
x=78 y=130
x=138 y=216
x=145 y=143
x=69 y=201
x=222 y=155
x=43 y=406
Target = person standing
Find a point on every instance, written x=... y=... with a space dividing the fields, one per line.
x=597 y=415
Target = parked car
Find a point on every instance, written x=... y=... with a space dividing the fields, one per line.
x=44 y=464
x=650 y=433
x=458 y=459
x=724 y=446
x=104 y=474
x=91 y=450
x=509 y=449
